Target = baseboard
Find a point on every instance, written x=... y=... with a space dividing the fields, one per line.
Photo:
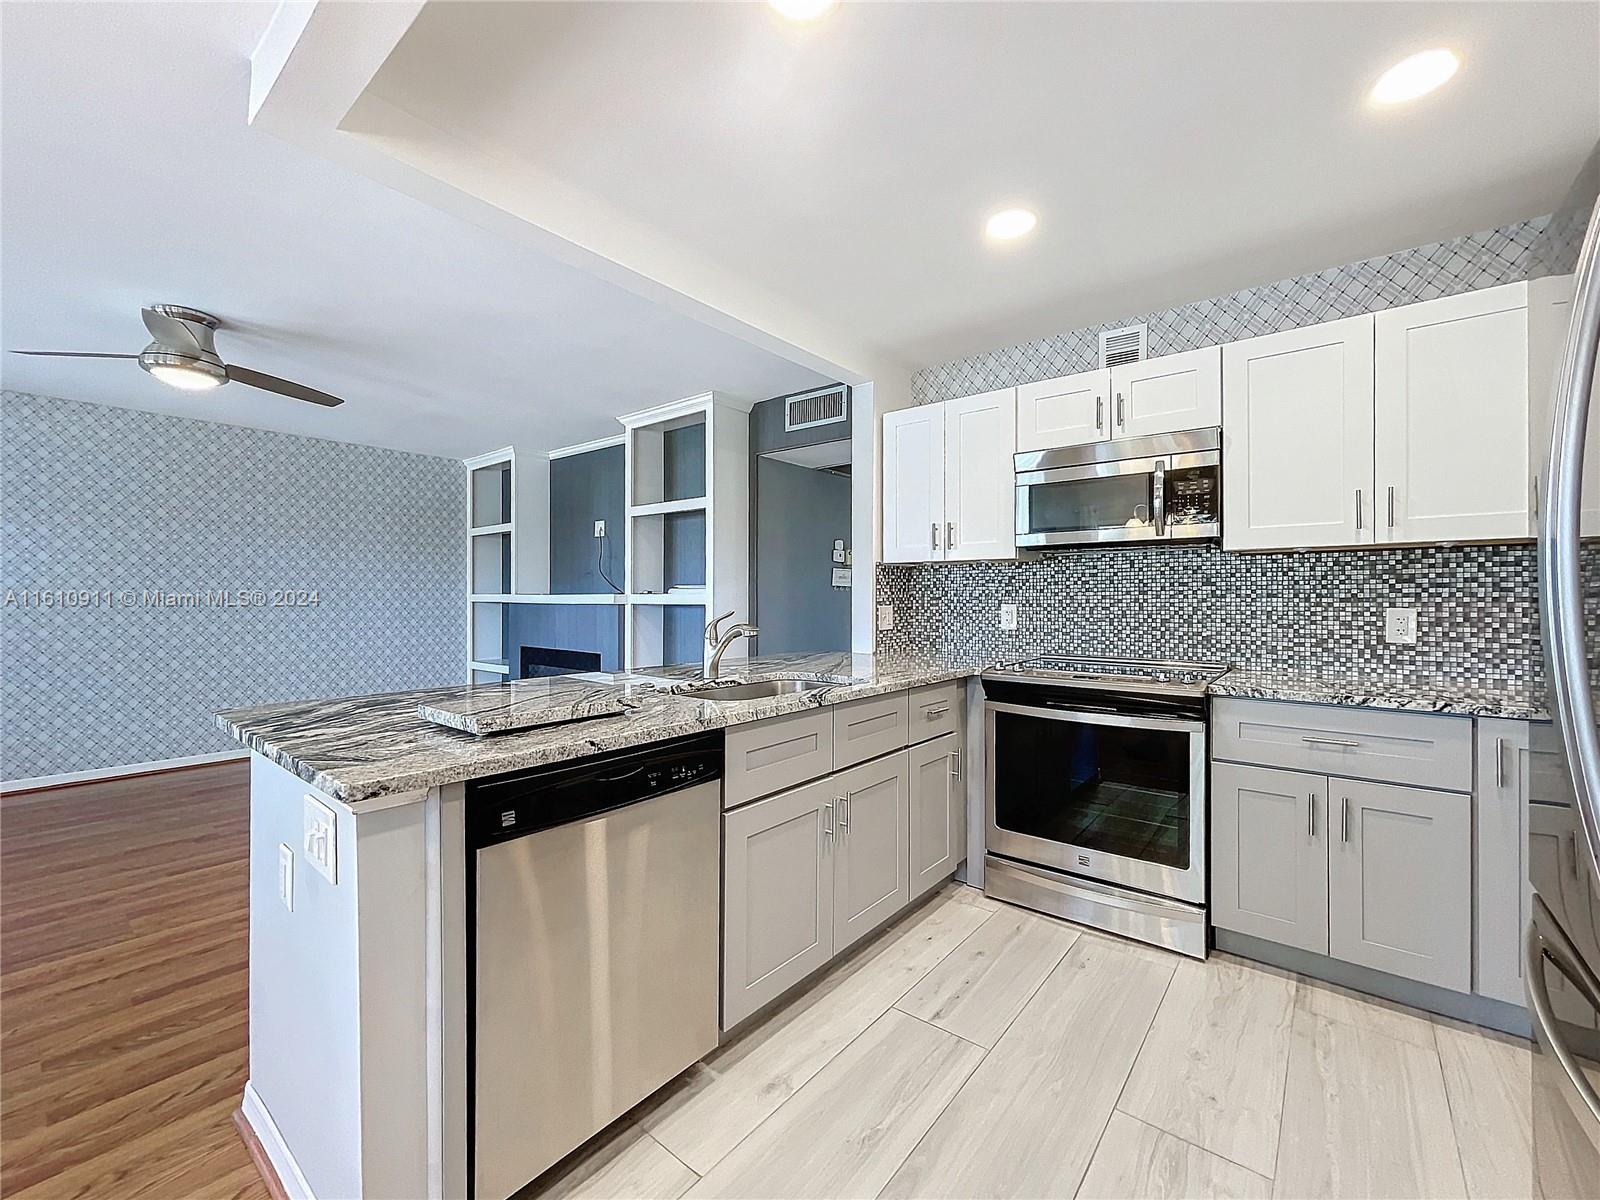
x=43 y=783
x=270 y=1152
x=1475 y=1010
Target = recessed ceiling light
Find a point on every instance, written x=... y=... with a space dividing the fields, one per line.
x=1415 y=76
x=1009 y=224
x=801 y=10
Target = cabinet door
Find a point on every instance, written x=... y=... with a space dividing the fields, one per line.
x=1451 y=427
x=1500 y=843
x=1168 y=394
x=1400 y=881
x=913 y=484
x=1549 y=313
x=872 y=810
x=979 y=476
x=938 y=813
x=1269 y=854
x=778 y=892
x=1297 y=438
x=1068 y=411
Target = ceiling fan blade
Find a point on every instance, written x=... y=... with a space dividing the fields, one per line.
x=170 y=331
x=71 y=354
x=284 y=387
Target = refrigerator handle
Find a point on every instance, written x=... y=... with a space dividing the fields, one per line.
x=1560 y=592
x=1546 y=939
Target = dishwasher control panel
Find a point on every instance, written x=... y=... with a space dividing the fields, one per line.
x=508 y=806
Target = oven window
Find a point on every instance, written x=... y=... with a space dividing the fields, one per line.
x=1110 y=788
x=1111 y=502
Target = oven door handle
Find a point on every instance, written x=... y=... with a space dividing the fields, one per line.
x=1095 y=715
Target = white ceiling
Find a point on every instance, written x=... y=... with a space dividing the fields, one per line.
x=130 y=176
x=1172 y=151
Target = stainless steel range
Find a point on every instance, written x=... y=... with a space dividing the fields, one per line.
x=1095 y=793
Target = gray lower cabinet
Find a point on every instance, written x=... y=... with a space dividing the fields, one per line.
x=864 y=729
x=778 y=896
x=1269 y=854
x=938 y=825
x=871 y=821
x=1500 y=845
x=1400 y=881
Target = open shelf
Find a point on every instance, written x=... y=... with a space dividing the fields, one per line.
x=499 y=666
x=482 y=530
x=692 y=504
x=685 y=596
x=608 y=598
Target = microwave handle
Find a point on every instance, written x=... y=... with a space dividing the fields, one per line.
x=1159 y=491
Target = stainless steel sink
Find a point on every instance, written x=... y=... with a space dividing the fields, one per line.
x=757 y=690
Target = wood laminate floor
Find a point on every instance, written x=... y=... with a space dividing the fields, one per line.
x=123 y=988
x=976 y=1050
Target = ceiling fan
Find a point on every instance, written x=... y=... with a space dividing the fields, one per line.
x=184 y=355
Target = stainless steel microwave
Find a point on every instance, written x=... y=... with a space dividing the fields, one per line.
x=1165 y=487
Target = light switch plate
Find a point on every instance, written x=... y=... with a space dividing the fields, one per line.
x=1400 y=626
x=838 y=550
x=885 y=616
x=1008 y=616
x=286 y=875
x=321 y=843
x=841 y=577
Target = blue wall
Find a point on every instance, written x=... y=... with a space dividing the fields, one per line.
x=800 y=512
x=596 y=628
x=585 y=488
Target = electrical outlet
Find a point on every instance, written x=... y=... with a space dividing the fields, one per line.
x=599 y=529
x=885 y=616
x=1400 y=626
x=1008 y=616
x=321 y=839
x=286 y=875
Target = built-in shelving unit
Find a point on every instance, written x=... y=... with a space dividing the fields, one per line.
x=687 y=481
x=491 y=548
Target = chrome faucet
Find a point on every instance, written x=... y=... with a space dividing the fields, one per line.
x=721 y=643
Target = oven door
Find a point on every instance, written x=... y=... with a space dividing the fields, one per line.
x=1110 y=796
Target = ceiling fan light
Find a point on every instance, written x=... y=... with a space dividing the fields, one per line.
x=187 y=378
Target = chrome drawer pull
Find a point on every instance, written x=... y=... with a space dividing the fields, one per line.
x=1326 y=741
x=940 y=711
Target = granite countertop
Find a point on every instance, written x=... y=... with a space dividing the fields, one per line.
x=362 y=747
x=1419 y=693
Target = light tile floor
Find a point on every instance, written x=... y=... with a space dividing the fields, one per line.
x=972 y=1049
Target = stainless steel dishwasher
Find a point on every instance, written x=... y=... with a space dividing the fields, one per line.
x=593 y=950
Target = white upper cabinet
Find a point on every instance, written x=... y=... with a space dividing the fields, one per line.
x=1068 y=411
x=979 y=480
x=1297 y=438
x=1451 y=418
x=1167 y=394
x=914 y=484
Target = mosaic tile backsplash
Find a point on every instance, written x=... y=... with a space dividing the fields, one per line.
x=95 y=497
x=1303 y=612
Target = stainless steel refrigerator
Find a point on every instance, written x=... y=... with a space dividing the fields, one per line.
x=1561 y=968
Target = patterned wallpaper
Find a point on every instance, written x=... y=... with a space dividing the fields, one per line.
x=1319 y=611
x=1462 y=264
x=1477 y=615
x=133 y=507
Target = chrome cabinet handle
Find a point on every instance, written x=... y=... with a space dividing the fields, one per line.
x=937 y=711
x=1344 y=819
x=1158 y=492
x=1122 y=412
x=1358 y=510
x=1311 y=815
x=844 y=815
x=827 y=823
x=1327 y=741
x=955 y=763
x=933 y=534
x=949 y=535
x=1391 y=506
x=1099 y=414
x=1500 y=762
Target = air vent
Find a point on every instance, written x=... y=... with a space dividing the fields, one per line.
x=825 y=406
x=1118 y=346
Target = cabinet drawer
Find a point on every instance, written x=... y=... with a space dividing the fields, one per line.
x=768 y=756
x=867 y=728
x=1361 y=743
x=936 y=710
